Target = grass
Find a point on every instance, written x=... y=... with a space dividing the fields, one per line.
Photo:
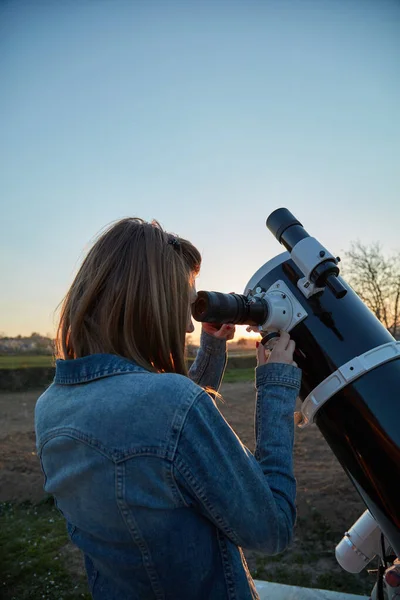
x=21 y=361
x=232 y=374
x=237 y=375
x=31 y=558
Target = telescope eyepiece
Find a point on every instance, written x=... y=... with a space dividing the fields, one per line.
x=216 y=307
x=286 y=228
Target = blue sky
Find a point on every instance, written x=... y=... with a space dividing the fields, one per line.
x=206 y=115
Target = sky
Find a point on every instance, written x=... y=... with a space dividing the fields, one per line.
x=205 y=115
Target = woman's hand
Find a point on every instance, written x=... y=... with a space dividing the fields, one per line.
x=282 y=352
x=225 y=332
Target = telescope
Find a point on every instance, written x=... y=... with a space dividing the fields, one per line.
x=350 y=384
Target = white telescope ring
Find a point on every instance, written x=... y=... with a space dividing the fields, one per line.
x=355 y=368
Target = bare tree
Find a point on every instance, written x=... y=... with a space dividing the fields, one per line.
x=376 y=279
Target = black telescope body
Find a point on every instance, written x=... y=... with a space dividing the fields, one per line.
x=361 y=422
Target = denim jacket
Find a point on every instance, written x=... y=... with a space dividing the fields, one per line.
x=156 y=488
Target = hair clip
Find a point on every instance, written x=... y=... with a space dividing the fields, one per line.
x=174 y=242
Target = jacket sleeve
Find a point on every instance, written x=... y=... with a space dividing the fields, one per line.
x=250 y=498
x=209 y=365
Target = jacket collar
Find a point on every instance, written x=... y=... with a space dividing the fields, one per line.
x=95 y=366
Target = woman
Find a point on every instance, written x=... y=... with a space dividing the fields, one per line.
x=156 y=488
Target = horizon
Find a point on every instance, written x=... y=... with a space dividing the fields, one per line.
x=248 y=337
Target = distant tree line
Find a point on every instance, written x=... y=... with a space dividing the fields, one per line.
x=34 y=344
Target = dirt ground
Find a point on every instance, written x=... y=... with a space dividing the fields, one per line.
x=327 y=503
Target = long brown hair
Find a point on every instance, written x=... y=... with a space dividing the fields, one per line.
x=131 y=297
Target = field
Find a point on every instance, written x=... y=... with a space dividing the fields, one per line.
x=21 y=362
x=37 y=561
